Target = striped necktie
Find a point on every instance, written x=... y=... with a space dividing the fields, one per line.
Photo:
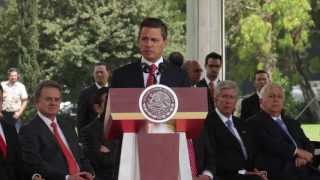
x=151 y=76
x=230 y=126
x=285 y=129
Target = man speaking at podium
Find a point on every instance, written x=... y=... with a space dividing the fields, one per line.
x=151 y=69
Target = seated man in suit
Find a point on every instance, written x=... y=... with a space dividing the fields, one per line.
x=103 y=155
x=234 y=149
x=251 y=105
x=50 y=145
x=10 y=152
x=285 y=151
x=213 y=64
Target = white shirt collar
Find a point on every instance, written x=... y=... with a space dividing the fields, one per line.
x=11 y=85
x=223 y=117
x=276 y=117
x=46 y=120
x=99 y=87
x=160 y=60
x=259 y=94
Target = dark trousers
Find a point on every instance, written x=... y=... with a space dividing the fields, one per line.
x=8 y=117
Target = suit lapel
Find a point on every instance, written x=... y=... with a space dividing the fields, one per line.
x=68 y=134
x=45 y=131
x=228 y=135
x=243 y=133
x=139 y=74
x=278 y=130
x=291 y=130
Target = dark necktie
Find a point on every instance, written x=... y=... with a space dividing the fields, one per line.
x=151 y=76
x=285 y=129
x=230 y=125
x=211 y=90
x=3 y=147
x=72 y=163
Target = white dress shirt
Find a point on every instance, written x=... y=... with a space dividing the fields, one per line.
x=157 y=74
x=48 y=122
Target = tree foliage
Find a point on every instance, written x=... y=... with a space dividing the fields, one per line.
x=71 y=35
x=62 y=39
x=272 y=35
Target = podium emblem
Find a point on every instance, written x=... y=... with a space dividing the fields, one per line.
x=158 y=103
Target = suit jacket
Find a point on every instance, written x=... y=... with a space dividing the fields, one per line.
x=104 y=164
x=131 y=76
x=229 y=156
x=250 y=106
x=203 y=83
x=205 y=153
x=276 y=150
x=85 y=110
x=41 y=154
x=11 y=167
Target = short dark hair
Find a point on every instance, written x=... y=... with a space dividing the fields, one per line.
x=154 y=23
x=102 y=64
x=46 y=84
x=262 y=72
x=212 y=55
x=13 y=69
x=1 y=89
x=98 y=95
x=176 y=58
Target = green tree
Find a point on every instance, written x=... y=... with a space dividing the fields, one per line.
x=9 y=31
x=273 y=34
x=64 y=38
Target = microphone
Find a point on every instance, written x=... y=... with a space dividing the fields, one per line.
x=145 y=67
x=161 y=68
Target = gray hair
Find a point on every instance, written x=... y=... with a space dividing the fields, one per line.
x=227 y=84
x=268 y=87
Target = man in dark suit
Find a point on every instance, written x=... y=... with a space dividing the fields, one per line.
x=251 y=104
x=213 y=64
x=152 y=40
x=49 y=145
x=284 y=149
x=231 y=140
x=85 y=111
x=102 y=153
x=10 y=152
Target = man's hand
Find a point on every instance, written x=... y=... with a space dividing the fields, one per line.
x=81 y=176
x=299 y=162
x=201 y=177
x=37 y=177
x=16 y=115
x=104 y=149
x=300 y=153
x=256 y=172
